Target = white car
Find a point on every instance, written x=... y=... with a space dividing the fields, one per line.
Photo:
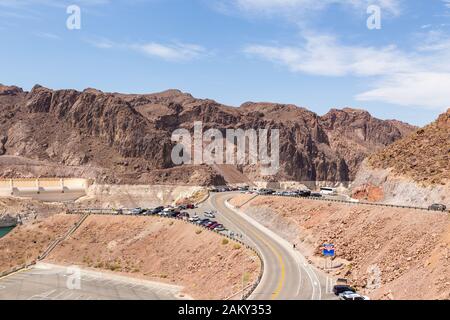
x=136 y=211
x=350 y=295
x=210 y=215
x=194 y=218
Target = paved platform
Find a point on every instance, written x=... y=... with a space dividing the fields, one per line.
x=50 y=282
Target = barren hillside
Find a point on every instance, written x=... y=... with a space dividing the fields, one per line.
x=410 y=248
x=25 y=243
x=414 y=170
x=424 y=156
x=207 y=265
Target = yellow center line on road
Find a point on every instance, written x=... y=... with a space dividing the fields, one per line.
x=282 y=278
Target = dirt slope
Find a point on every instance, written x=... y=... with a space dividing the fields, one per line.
x=410 y=248
x=25 y=243
x=232 y=175
x=162 y=250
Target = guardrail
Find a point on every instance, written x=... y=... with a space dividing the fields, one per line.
x=351 y=202
x=16 y=269
x=112 y=212
x=60 y=239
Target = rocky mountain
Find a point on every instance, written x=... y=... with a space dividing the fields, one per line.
x=423 y=156
x=413 y=170
x=125 y=138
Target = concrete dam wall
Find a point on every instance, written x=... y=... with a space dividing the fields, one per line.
x=44 y=189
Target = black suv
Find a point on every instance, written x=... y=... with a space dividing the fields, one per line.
x=338 y=289
x=157 y=210
x=304 y=193
x=437 y=207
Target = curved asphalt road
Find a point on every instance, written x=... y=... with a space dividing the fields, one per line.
x=287 y=275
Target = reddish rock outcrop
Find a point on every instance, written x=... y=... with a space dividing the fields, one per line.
x=121 y=138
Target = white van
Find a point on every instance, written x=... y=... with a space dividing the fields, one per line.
x=327 y=191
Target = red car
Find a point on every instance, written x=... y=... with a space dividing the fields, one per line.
x=213 y=225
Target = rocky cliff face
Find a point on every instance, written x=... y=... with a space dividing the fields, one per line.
x=126 y=138
x=414 y=170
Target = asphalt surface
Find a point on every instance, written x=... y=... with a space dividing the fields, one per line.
x=287 y=275
x=50 y=282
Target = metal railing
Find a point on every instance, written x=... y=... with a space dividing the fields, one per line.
x=350 y=202
x=16 y=269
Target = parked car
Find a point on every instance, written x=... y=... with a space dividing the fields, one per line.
x=210 y=214
x=437 y=207
x=219 y=227
x=213 y=226
x=194 y=218
x=173 y=214
x=190 y=206
x=156 y=210
x=183 y=215
x=137 y=211
x=119 y=211
x=316 y=195
x=304 y=193
x=182 y=207
x=350 y=295
x=338 y=289
x=204 y=222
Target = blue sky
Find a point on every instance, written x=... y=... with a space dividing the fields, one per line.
x=315 y=54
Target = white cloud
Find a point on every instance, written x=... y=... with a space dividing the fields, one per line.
x=52 y=3
x=323 y=55
x=101 y=43
x=301 y=6
x=422 y=89
x=419 y=77
x=170 y=52
x=174 y=52
x=48 y=35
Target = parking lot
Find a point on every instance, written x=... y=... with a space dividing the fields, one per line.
x=50 y=282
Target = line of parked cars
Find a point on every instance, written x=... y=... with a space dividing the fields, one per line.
x=177 y=212
x=207 y=222
x=265 y=191
x=229 y=189
x=169 y=211
x=294 y=193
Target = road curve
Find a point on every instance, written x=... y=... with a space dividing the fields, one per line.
x=287 y=275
